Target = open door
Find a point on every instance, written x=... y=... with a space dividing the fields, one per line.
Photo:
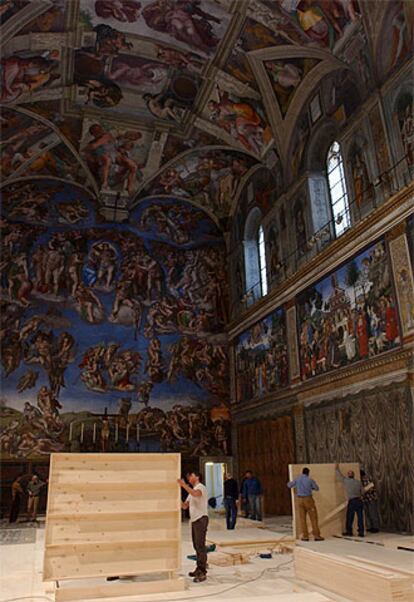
x=213 y=470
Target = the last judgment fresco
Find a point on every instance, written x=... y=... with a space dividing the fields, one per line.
x=110 y=333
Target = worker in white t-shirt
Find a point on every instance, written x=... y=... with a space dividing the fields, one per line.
x=198 y=504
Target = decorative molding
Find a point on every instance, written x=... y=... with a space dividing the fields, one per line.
x=300 y=434
x=389 y=368
x=23 y=18
x=392 y=367
x=293 y=351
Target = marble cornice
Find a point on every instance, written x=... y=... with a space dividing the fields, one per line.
x=396 y=209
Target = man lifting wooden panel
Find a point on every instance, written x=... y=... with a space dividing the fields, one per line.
x=330 y=499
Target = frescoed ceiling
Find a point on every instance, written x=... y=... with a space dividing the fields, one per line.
x=131 y=98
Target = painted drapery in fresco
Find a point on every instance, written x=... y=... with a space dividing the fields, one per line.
x=374 y=429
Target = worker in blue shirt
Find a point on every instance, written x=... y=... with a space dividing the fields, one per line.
x=252 y=491
x=304 y=486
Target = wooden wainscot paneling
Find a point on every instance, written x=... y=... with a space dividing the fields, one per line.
x=267 y=448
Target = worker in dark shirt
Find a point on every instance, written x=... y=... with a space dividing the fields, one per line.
x=231 y=496
x=252 y=492
x=354 y=492
x=370 y=501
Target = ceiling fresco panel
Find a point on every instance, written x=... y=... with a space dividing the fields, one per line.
x=285 y=77
x=323 y=22
x=116 y=156
x=26 y=72
x=254 y=36
x=189 y=24
x=209 y=177
x=156 y=79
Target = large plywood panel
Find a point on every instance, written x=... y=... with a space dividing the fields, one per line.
x=113 y=514
x=330 y=495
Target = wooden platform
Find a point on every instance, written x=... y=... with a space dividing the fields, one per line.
x=113 y=514
x=352 y=578
x=391 y=541
x=291 y=597
x=361 y=550
x=248 y=537
x=68 y=592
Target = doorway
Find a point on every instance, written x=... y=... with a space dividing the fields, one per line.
x=213 y=471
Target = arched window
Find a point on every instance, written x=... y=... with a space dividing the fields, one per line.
x=261 y=245
x=337 y=189
x=255 y=257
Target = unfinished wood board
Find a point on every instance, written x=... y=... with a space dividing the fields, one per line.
x=351 y=579
x=288 y=597
x=113 y=514
x=117 y=589
x=331 y=494
x=247 y=537
x=362 y=551
x=407 y=573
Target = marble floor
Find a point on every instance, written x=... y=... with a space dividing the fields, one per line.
x=261 y=580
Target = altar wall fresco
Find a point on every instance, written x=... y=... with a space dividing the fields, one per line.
x=111 y=333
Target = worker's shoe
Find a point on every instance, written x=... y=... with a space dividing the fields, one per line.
x=361 y=535
x=112 y=578
x=319 y=539
x=304 y=538
x=193 y=573
x=200 y=578
x=347 y=534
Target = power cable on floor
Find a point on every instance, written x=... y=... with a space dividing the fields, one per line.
x=201 y=596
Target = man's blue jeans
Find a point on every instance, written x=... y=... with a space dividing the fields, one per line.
x=254 y=507
x=231 y=512
x=355 y=505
